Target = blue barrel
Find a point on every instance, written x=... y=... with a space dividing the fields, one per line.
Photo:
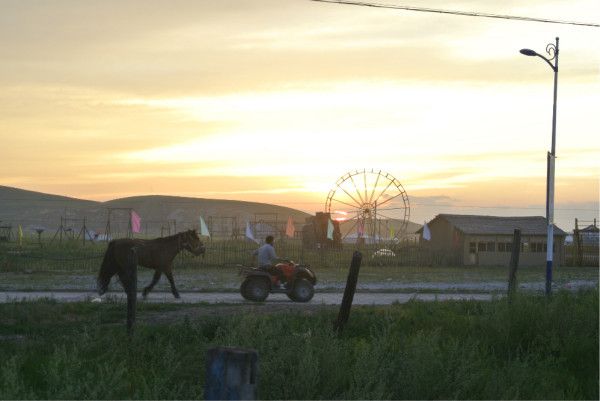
x=231 y=374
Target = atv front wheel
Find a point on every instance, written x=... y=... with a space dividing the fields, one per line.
x=255 y=289
x=303 y=291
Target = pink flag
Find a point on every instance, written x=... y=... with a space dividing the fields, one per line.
x=136 y=222
x=360 y=228
x=289 y=228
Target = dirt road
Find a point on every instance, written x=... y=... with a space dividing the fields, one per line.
x=360 y=298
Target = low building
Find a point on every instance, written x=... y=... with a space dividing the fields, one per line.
x=487 y=240
x=590 y=235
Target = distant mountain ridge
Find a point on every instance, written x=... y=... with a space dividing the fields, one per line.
x=160 y=214
x=33 y=209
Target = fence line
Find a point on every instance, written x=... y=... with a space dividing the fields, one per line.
x=72 y=255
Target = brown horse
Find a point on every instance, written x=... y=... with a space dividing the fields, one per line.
x=123 y=255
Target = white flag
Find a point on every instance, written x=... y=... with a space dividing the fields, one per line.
x=329 y=229
x=249 y=233
x=426 y=232
x=203 y=228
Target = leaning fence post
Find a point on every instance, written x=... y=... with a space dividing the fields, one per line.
x=231 y=374
x=348 y=292
x=514 y=262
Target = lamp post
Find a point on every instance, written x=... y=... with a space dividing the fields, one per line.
x=552 y=50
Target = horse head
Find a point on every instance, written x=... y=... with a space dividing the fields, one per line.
x=191 y=242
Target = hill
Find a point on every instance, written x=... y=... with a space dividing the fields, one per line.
x=159 y=213
x=36 y=209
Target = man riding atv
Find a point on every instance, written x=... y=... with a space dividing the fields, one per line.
x=267 y=258
x=275 y=275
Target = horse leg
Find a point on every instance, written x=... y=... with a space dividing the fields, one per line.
x=128 y=277
x=107 y=269
x=102 y=285
x=169 y=275
x=150 y=286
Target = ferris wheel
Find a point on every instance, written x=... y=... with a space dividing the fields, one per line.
x=370 y=205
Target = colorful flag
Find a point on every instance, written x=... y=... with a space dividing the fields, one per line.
x=20 y=232
x=203 y=228
x=249 y=233
x=426 y=232
x=391 y=232
x=136 y=222
x=329 y=229
x=289 y=228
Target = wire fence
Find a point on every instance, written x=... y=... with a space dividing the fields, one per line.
x=582 y=255
x=76 y=256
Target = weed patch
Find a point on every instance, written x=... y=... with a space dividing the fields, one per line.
x=532 y=348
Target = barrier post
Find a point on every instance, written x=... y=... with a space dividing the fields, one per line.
x=344 y=313
x=514 y=262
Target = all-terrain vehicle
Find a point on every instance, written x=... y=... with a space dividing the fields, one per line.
x=298 y=286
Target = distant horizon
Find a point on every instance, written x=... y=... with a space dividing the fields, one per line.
x=565 y=224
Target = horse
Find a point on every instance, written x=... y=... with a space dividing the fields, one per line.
x=123 y=255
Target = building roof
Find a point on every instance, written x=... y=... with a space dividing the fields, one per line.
x=496 y=225
x=590 y=229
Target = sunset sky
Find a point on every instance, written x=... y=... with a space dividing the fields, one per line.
x=274 y=100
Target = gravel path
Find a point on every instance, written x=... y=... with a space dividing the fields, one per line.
x=370 y=298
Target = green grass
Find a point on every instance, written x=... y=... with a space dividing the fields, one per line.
x=532 y=348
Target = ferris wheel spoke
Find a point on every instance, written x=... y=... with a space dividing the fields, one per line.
x=374 y=188
x=389 y=199
x=357 y=191
x=347 y=204
x=391 y=208
x=351 y=228
x=358 y=204
x=382 y=192
x=365 y=182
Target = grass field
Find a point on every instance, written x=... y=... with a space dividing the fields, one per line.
x=533 y=348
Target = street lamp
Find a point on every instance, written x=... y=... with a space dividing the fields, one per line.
x=552 y=50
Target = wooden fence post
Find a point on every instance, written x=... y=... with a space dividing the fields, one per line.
x=231 y=374
x=514 y=262
x=344 y=313
x=129 y=281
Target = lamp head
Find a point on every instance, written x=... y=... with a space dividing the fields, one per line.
x=528 y=52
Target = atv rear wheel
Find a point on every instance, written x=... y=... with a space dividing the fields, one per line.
x=303 y=291
x=255 y=289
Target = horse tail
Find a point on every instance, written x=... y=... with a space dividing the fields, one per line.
x=107 y=269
